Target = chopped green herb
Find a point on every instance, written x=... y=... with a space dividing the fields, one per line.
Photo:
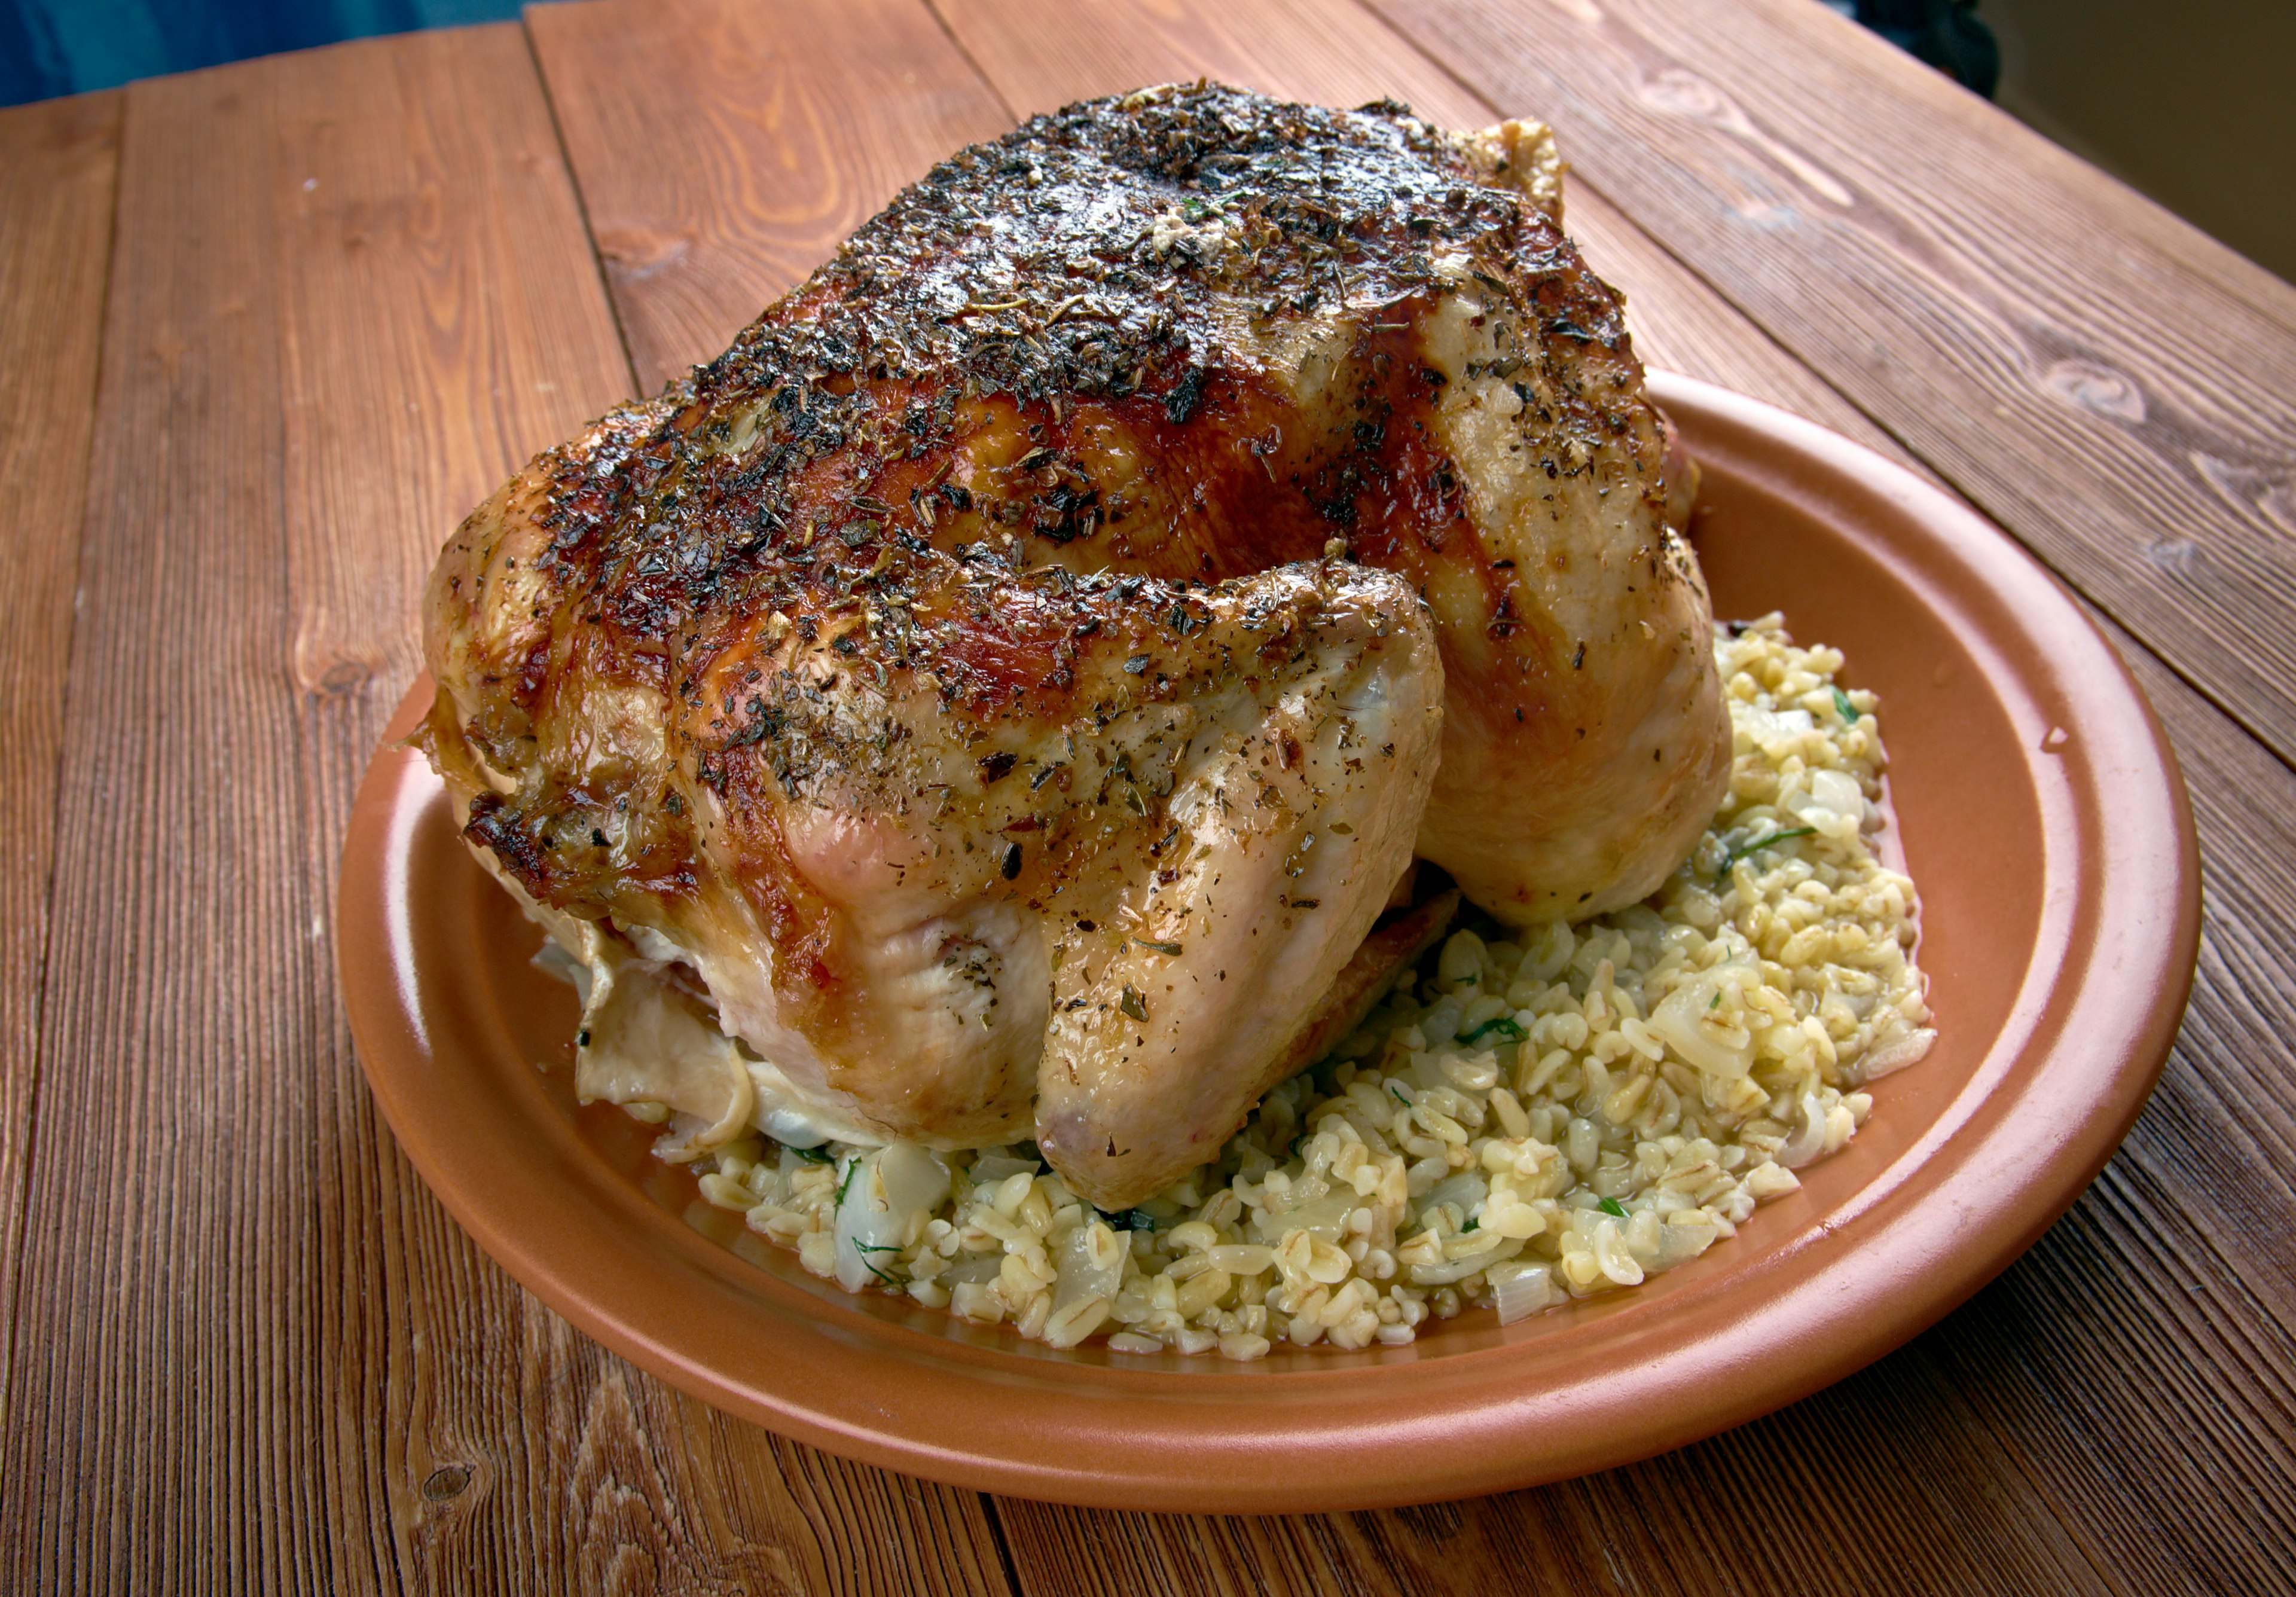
x=875 y=1247
x=1139 y=1219
x=1159 y=947
x=815 y=1155
x=879 y=1274
x=845 y=1185
x=1611 y=1206
x=1722 y=872
x=1715 y=1002
x=1473 y=1223
x=1504 y=1026
x=1399 y=1096
x=1472 y=979
x=1133 y=1003
x=1849 y=710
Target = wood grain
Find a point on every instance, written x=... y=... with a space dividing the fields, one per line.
x=58 y=163
x=140 y=1246
x=2113 y=387
x=1884 y=1484
x=725 y=151
x=2141 y=1358
x=1042 y=54
x=250 y=1352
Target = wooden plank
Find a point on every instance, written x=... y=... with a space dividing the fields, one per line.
x=58 y=163
x=122 y=1370
x=2116 y=388
x=1042 y=54
x=353 y=290
x=723 y=151
x=1864 y=1490
x=2141 y=1358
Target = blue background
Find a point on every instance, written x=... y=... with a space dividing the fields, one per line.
x=51 y=47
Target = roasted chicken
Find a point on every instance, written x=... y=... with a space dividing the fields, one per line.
x=998 y=695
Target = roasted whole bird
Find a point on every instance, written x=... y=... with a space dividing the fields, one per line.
x=997 y=696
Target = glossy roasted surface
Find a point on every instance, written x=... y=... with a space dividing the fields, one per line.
x=1191 y=334
x=877 y=656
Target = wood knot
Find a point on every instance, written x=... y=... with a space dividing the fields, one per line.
x=636 y=253
x=444 y=1483
x=2181 y=555
x=2094 y=386
x=339 y=677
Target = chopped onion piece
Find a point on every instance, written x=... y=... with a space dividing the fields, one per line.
x=990 y=1168
x=915 y=1179
x=1325 y=1218
x=883 y=1193
x=1526 y=1293
x=1809 y=1141
x=1907 y=1048
x=1467 y=1189
x=1680 y=1241
x=1688 y=1020
x=1091 y=1266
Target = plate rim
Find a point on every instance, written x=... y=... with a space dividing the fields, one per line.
x=1454 y=1424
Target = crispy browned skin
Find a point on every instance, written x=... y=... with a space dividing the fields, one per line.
x=826 y=648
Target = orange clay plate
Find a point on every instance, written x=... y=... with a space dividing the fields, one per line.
x=2039 y=809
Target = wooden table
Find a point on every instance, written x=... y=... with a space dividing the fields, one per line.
x=267 y=330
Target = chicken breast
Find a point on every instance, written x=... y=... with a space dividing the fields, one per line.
x=1000 y=693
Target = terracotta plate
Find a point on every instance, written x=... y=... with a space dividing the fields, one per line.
x=2040 y=811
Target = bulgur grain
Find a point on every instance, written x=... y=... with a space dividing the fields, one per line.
x=1527 y=1117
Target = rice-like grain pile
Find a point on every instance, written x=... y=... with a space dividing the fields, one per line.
x=1522 y=1122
